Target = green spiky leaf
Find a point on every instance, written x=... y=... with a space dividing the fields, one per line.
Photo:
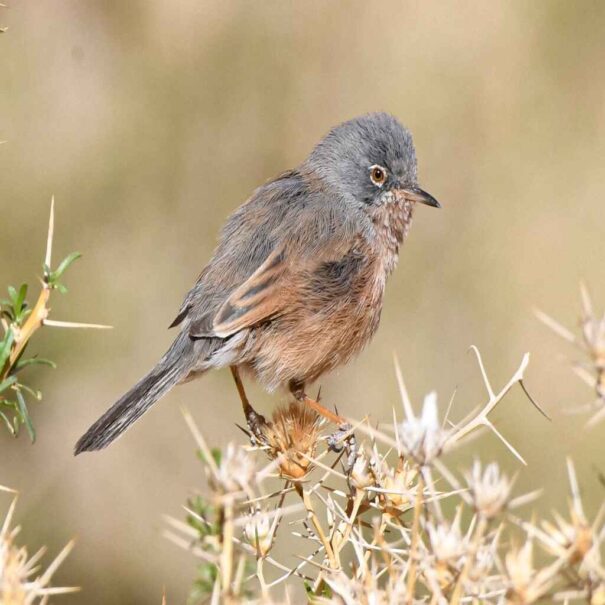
x=5 y=347
x=25 y=418
x=22 y=363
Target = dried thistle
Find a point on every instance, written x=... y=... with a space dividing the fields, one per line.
x=448 y=546
x=490 y=489
x=258 y=532
x=399 y=484
x=572 y=539
x=591 y=342
x=361 y=475
x=375 y=532
x=422 y=437
x=21 y=582
x=235 y=472
x=291 y=439
x=521 y=575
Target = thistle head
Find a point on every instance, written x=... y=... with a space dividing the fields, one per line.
x=259 y=532
x=422 y=437
x=291 y=439
x=236 y=471
x=490 y=489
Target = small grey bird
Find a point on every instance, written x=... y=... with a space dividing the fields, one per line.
x=295 y=286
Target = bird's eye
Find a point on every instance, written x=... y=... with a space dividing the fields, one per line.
x=378 y=175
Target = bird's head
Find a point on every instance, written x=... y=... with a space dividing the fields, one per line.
x=368 y=159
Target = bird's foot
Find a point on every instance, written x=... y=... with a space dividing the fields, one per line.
x=256 y=423
x=344 y=438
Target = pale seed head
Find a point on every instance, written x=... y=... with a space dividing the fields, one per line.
x=519 y=564
x=574 y=537
x=257 y=532
x=361 y=476
x=236 y=471
x=423 y=438
x=490 y=489
x=400 y=484
x=447 y=542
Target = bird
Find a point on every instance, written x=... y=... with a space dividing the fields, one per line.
x=295 y=286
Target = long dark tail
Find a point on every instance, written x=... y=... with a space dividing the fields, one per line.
x=173 y=367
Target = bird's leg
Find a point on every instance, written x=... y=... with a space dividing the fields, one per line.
x=343 y=437
x=254 y=420
x=298 y=390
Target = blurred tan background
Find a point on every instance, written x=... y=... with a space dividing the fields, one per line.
x=150 y=121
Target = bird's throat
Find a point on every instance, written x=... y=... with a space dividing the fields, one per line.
x=392 y=220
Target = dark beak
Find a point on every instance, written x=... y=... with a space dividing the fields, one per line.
x=415 y=194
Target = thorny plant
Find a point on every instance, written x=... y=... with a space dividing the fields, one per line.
x=22 y=580
x=19 y=322
x=372 y=520
x=591 y=342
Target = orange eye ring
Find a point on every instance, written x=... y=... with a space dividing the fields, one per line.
x=378 y=175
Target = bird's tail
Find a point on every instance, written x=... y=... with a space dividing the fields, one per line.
x=171 y=369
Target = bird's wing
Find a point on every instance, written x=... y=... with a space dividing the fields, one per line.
x=258 y=299
x=251 y=234
x=284 y=232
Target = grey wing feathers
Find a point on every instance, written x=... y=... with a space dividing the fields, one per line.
x=249 y=237
x=280 y=226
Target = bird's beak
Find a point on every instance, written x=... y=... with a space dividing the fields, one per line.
x=415 y=194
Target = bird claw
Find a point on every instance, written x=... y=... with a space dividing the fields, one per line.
x=337 y=438
x=341 y=439
x=255 y=422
